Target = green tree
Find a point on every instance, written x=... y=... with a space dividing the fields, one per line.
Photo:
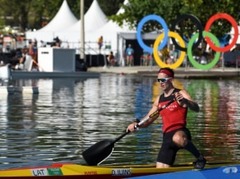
x=34 y=14
x=15 y=11
x=28 y=13
x=42 y=11
x=135 y=10
x=110 y=7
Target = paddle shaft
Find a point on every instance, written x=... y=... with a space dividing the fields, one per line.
x=121 y=136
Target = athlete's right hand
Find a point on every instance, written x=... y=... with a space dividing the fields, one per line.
x=131 y=127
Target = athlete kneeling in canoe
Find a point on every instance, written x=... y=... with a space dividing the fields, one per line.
x=173 y=105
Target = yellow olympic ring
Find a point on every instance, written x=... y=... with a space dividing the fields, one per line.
x=159 y=61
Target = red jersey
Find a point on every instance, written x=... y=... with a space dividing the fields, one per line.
x=173 y=116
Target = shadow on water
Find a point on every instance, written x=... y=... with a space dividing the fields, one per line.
x=68 y=116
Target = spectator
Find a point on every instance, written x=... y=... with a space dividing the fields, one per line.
x=146 y=58
x=111 y=59
x=17 y=59
x=57 y=42
x=100 y=43
x=129 y=55
x=25 y=61
x=32 y=49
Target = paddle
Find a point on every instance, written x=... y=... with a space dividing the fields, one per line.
x=100 y=151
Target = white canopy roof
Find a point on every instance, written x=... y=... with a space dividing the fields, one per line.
x=96 y=25
x=110 y=31
x=93 y=20
x=62 y=20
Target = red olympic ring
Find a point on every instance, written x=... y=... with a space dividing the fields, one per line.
x=234 y=25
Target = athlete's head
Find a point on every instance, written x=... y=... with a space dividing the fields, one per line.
x=165 y=77
x=167 y=71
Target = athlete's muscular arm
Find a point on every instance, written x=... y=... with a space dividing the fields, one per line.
x=152 y=110
x=148 y=122
x=185 y=100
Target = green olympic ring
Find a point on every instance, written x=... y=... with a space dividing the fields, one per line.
x=190 y=55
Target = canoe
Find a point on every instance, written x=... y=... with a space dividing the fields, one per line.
x=223 y=172
x=68 y=170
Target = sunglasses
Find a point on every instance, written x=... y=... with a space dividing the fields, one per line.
x=163 y=80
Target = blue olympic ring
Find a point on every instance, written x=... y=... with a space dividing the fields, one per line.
x=165 y=30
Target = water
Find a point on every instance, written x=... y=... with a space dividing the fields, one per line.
x=68 y=116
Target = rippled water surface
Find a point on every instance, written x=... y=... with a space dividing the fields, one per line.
x=68 y=116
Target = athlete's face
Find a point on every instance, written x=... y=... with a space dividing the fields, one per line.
x=164 y=81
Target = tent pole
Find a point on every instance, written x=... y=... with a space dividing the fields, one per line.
x=82 y=32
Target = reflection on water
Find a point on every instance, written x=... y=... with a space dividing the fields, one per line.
x=68 y=116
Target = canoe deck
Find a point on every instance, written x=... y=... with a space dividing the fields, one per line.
x=68 y=170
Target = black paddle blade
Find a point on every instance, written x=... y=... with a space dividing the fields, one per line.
x=98 y=152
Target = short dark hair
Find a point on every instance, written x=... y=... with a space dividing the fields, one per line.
x=168 y=71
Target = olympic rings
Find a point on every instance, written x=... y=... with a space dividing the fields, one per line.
x=234 y=24
x=140 y=25
x=193 y=61
x=198 y=25
x=155 y=50
x=193 y=43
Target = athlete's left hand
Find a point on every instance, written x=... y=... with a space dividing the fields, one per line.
x=180 y=99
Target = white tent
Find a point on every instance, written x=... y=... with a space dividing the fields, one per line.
x=62 y=20
x=115 y=36
x=110 y=29
x=110 y=32
x=93 y=19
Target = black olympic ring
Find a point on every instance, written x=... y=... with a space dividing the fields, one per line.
x=198 y=24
